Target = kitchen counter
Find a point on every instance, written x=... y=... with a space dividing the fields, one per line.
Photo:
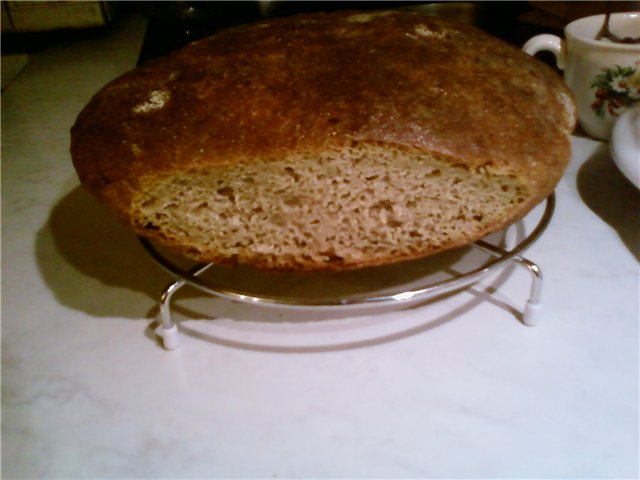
x=457 y=387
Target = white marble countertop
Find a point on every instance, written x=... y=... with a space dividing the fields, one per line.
x=453 y=388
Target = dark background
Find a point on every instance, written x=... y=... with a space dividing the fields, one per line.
x=175 y=23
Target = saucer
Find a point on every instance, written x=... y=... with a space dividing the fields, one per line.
x=625 y=144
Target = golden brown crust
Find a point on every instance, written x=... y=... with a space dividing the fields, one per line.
x=307 y=82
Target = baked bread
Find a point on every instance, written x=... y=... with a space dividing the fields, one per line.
x=327 y=141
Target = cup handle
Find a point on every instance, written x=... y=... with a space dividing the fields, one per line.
x=547 y=42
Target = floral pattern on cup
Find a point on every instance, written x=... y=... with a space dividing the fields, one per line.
x=616 y=88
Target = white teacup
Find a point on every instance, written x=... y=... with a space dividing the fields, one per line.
x=604 y=76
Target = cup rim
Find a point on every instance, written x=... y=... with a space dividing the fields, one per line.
x=568 y=31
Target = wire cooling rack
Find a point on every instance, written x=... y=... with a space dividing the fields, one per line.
x=430 y=278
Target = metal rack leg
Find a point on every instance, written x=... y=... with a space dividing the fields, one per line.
x=533 y=308
x=167 y=330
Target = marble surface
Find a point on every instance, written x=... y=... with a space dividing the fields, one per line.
x=457 y=387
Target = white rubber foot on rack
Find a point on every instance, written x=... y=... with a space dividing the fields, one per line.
x=169 y=336
x=532 y=314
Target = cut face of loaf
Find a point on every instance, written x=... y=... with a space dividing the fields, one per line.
x=360 y=205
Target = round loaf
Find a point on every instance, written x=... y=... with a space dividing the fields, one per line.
x=327 y=141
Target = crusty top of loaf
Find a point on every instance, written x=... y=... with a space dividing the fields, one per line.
x=306 y=82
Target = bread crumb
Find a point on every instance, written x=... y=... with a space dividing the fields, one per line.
x=135 y=149
x=424 y=31
x=367 y=17
x=157 y=100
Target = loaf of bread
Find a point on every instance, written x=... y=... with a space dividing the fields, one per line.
x=327 y=141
